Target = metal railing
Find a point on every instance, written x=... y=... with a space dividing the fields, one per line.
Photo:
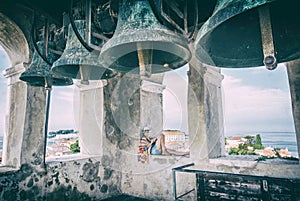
x=228 y=186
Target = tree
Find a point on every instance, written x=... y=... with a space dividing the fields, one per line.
x=75 y=147
x=258 y=144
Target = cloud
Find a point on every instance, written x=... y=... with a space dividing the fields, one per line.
x=4 y=60
x=253 y=108
x=175 y=99
x=62 y=110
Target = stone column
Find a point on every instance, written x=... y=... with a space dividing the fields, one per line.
x=15 y=117
x=33 y=139
x=214 y=112
x=151 y=106
x=196 y=113
x=205 y=115
x=293 y=69
x=91 y=117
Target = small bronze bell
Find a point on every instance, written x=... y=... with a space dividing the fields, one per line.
x=244 y=33
x=140 y=41
x=77 y=62
x=39 y=72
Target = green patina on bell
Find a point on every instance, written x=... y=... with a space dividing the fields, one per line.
x=39 y=71
x=77 y=62
x=232 y=36
x=139 y=39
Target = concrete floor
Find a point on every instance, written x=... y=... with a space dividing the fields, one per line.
x=125 y=198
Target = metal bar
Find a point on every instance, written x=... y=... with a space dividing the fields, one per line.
x=185 y=17
x=174 y=185
x=88 y=17
x=183 y=166
x=169 y=20
x=201 y=187
x=184 y=194
x=46 y=37
x=100 y=36
x=192 y=36
x=48 y=89
x=267 y=37
x=76 y=30
x=174 y=8
x=265 y=195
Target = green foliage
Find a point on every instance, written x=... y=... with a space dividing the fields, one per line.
x=258 y=140
x=233 y=151
x=249 y=137
x=258 y=146
x=261 y=158
x=68 y=131
x=243 y=149
x=75 y=147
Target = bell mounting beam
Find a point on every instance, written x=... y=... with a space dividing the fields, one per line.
x=267 y=37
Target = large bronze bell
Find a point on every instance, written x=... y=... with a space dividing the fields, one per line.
x=248 y=33
x=141 y=42
x=39 y=72
x=77 y=62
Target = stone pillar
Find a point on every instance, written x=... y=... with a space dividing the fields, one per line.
x=15 y=117
x=151 y=106
x=205 y=115
x=196 y=113
x=33 y=139
x=214 y=112
x=91 y=117
x=293 y=69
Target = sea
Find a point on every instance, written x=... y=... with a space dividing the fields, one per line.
x=275 y=140
x=269 y=139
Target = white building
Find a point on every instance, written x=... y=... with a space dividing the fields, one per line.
x=174 y=135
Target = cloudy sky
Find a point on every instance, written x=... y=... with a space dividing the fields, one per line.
x=255 y=100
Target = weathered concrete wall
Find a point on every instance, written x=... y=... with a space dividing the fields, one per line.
x=151 y=104
x=73 y=180
x=122 y=124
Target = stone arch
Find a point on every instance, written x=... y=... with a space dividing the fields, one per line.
x=15 y=44
x=13 y=40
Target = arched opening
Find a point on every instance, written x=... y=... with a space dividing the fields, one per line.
x=62 y=131
x=175 y=110
x=15 y=46
x=258 y=101
x=4 y=63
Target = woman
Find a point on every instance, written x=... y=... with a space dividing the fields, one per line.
x=156 y=146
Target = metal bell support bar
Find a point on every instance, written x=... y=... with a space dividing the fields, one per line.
x=141 y=43
x=242 y=34
x=77 y=62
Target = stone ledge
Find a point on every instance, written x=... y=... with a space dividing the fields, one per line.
x=4 y=168
x=70 y=158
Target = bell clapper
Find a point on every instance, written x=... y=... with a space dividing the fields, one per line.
x=145 y=60
x=270 y=60
x=84 y=72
